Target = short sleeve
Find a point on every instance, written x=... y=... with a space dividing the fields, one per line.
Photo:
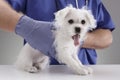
x=18 y=5
x=104 y=20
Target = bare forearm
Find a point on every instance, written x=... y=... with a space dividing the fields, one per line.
x=8 y=17
x=98 y=39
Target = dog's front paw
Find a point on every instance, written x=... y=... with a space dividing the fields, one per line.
x=32 y=69
x=82 y=72
x=90 y=70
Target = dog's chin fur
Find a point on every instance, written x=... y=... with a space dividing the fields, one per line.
x=32 y=60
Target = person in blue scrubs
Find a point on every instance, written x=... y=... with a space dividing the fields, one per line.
x=43 y=10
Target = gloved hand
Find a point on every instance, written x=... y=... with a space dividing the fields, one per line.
x=37 y=33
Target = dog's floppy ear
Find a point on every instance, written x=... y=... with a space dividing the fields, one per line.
x=91 y=19
x=63 y=12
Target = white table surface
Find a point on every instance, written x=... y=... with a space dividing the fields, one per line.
x=61 y=72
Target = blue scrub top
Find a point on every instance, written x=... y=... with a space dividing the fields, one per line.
x=44 y=10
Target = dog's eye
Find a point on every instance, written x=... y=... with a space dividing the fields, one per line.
x=71 y=21
x=83 y=22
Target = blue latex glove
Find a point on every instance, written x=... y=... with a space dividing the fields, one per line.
x=37 y=33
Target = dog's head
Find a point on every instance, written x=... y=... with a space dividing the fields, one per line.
x=75 y=22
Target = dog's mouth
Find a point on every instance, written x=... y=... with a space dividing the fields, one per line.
x=76 y=39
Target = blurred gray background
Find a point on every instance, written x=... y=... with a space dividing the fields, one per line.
x=10 y=44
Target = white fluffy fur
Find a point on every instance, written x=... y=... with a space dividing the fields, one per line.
x=32 y=60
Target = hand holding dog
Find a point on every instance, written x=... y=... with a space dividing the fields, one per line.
x=34 y=32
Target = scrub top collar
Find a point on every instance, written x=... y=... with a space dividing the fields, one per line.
x=86 y=3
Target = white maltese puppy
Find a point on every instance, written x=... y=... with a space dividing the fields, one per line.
x=71 y=27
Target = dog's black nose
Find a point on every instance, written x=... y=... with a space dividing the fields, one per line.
x=77 y=29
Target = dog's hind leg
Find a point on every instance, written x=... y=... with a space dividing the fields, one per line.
x=25 y=59
x=43 y=62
